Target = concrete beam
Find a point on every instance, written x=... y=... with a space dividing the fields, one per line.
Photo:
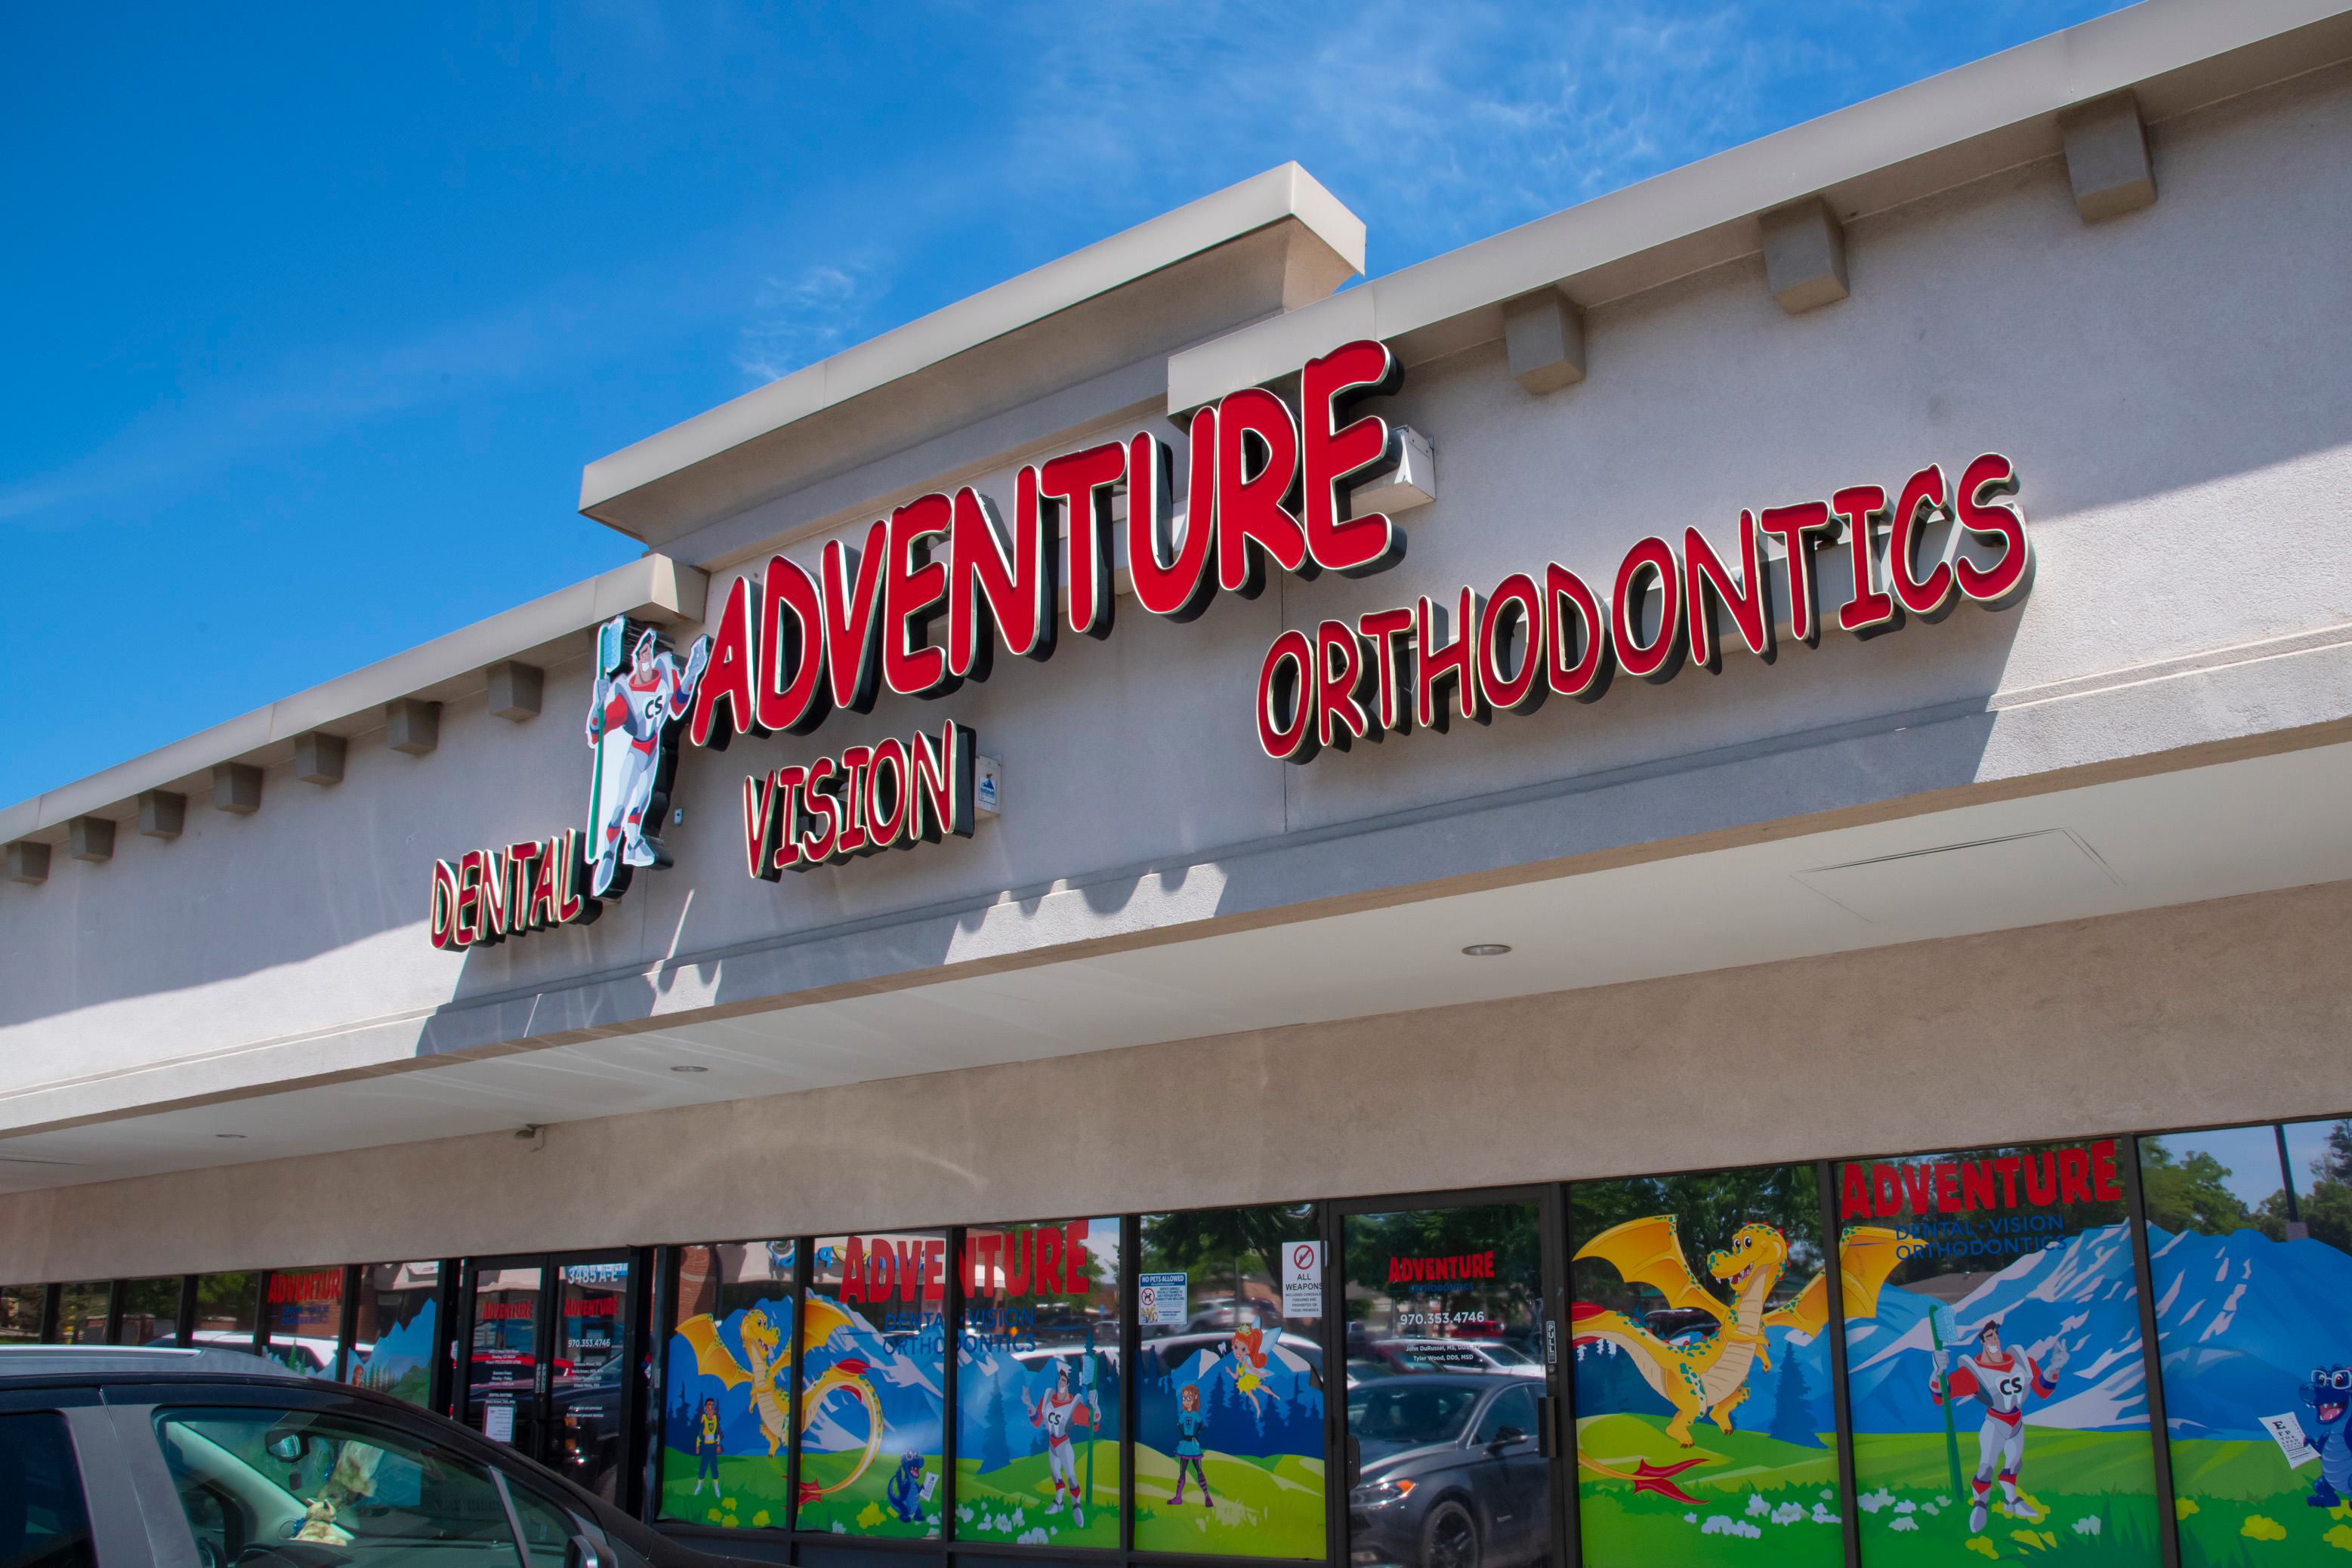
x=1804 y=255
x=319 y=757
x=1543 y=333
x=90 y=838
x=236 y=788
x=28 y=863
x=161 y=813
x=515 y=689
x=412 y=726
x=2106 y=157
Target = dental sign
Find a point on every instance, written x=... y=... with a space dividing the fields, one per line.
x=932 y=594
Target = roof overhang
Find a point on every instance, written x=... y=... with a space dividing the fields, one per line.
x=1272 y=242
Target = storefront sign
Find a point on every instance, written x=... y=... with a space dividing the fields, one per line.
x=931 y=594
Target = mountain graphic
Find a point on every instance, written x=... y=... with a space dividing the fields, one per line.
x=2242 y=1320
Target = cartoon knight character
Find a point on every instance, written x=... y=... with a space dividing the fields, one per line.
x=906 y=1488
x=629 y=716
x=1057 y=1410
x=2002 y=1380
x=2327 y=1400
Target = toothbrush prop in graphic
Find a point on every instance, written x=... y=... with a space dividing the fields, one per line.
x=1943 y=1329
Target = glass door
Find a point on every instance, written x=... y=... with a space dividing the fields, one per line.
x=588 y=1389
x=1451 y=1354
x=547 y=1363
x=504 y=1377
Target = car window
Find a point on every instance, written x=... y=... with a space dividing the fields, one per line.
x=547 y=1530
x=1402 y=1412
x=42 y=1519
x=1516 y=1408
x=252 y=1479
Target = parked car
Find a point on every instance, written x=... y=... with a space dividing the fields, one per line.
x=1449 y=1472
x=217 y=1457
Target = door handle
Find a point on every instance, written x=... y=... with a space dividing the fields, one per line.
x=1546 y=1418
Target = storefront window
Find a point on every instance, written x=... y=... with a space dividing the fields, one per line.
x=20 y=1314
x=151 y=1312
x=1229 y=1452
x=1446 y=1379
x=1037 y=1452
x=1995 y=1360
x=305 y=1317
x=872 y=1375
x=81 y=1312
x=1705 y=1405
x=396 y=1330
x=2250 y=1253
x=727 y=1430
x=227 y=1307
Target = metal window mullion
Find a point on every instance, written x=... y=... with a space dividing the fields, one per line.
x=2168 y=1523
x=115 y=1291
x=1130 y=1352
x=1833 y=1243
x=1568 y=1505
x=638 y=1301
x=802 y=1249
x=1329 y=1228
x=186 y=1327
x=950 y=1345
x=347 y=1324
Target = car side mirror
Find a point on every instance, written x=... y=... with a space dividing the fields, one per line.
x=284 y=1443
x=1506 y=1438
x=582 y=1553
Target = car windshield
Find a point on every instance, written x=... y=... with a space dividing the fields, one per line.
x=1404 y=1411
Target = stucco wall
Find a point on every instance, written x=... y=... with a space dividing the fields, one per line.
x=2232 y=1010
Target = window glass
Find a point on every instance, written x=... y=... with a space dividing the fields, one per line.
x=728 y=1426
x=305 y=1315
x=1229 y=1455
x=81 y=1312
x=151 y=1312
x=249 y=1477
x=1995 y=1365
x=2252 y=1266
x=873 y=1365
x=547 y=1530
x=20 y=1314
x=1037 y=1389
x=43 y=1522
x=588 y=1388
x=1706 y=1417
x=397 y=1329
x=226 y=1310
x=1450 y=1300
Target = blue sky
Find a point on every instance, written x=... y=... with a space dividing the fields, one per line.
x=316 y=313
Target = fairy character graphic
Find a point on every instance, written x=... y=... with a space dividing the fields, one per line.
x=1190 y=1423
x=1249 y=1365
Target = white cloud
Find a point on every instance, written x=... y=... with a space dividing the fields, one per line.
x=803 y=318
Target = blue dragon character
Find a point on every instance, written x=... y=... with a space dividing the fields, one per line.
x=2326 y=1399
x=906 y=1488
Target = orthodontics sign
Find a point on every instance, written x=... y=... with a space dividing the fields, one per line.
x=929 y=595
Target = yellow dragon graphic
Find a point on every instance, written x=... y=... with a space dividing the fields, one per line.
x=1709 y=1377
x=767 y=1371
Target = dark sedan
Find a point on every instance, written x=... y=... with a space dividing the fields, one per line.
x=1449 y=1472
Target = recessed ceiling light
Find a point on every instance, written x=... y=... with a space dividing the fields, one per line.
x=688 y=1067
x=228 y=1135
x=1486 y=949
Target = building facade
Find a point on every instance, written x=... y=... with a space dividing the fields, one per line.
x=1454 y=839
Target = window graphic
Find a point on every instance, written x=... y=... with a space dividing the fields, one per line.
x=398 y=1330
x=873 y=1365
x=1997 y=1379
x=726 y=1418
x=1037 y=1391
x=2250 y=1236
x=305 y=1314
x=1706 y=1413
x=1229 y=1454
